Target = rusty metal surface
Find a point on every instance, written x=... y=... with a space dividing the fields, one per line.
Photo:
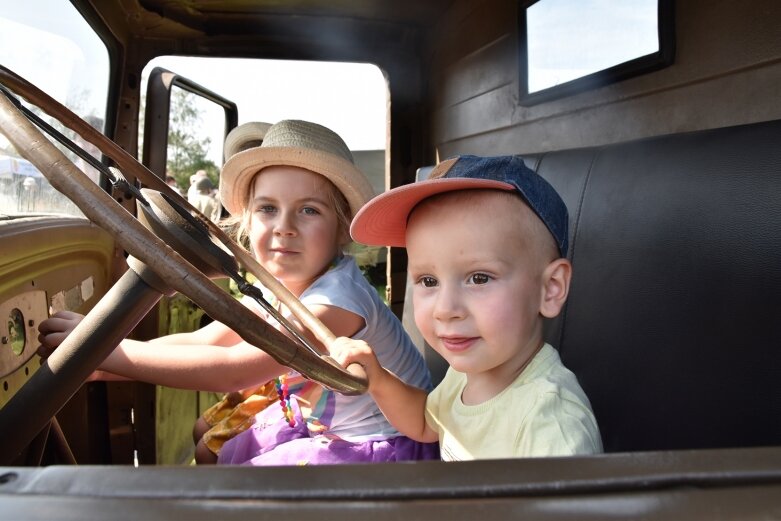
x=19 y=319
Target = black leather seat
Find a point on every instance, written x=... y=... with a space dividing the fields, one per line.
x=673 y=325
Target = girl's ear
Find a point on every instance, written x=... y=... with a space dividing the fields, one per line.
x=344 y=238
x=555 y=287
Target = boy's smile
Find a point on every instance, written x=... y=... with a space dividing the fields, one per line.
x=457 y=343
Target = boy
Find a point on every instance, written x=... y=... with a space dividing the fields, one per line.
x=486 y=240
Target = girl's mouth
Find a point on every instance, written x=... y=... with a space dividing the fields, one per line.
x=283 y=251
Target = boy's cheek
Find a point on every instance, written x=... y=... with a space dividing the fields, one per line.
x=423 y=319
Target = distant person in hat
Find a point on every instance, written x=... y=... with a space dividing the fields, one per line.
x=294 y=197
x=486 y=241
x=171 y=181
x=192 y=190
x=204 y=200
x=245 y=136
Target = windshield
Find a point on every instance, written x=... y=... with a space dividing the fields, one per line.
x=61 y=55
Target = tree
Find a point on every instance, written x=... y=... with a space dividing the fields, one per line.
x=186 y=152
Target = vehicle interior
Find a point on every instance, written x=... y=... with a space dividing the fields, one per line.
x=669 y=165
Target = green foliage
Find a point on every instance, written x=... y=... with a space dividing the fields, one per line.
x=186 y=152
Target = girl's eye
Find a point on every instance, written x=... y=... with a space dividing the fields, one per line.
x=428 y=282
x=308 y=210
x=479 y=278
x=266 y=208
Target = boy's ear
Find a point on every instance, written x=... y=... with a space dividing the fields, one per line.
x=555 y=287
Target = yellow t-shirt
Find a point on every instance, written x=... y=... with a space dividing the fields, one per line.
x=544 y=412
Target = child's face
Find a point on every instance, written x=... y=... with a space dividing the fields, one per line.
x=477 y=285
x=294 y=229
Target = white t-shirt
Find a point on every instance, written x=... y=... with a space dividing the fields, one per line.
x=357 y=418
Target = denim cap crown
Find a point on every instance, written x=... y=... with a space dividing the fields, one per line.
x=541 y=197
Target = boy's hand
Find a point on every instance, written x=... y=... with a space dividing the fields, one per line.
x=348 y=351
x=402 y=404
x=53 y=330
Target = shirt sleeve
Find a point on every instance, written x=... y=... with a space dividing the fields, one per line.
x=440 y=400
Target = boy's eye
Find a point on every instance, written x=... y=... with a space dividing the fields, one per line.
x=428 y=282
x=479 y=278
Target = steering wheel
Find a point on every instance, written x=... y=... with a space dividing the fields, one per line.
x=156 y=268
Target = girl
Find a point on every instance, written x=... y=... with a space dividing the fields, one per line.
x=296 y=194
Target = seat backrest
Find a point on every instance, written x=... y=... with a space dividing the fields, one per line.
x=673 y=322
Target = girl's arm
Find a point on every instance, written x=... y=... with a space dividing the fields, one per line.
x=214 y=333
x=54 y=330
x=338 y=320
x=403 y=405
x=193 y=366
x=196 y=360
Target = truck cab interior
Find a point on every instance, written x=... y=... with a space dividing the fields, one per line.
x=669 y=165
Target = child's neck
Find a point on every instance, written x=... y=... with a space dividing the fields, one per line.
x=481 y=387
x=298 y=288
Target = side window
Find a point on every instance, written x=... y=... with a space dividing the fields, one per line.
x=183 y=130
x=570 y=46
x=69 y=62
x=186 y=121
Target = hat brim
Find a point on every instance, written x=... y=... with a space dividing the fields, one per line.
x=239 y=171
x=383 y=220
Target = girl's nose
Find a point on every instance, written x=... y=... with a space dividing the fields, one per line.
x=285 y=224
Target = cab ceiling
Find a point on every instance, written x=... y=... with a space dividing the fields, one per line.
x=269 y=27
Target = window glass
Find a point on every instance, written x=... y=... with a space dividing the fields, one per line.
x=566 y=40
x=61 y=55
x=349 y=98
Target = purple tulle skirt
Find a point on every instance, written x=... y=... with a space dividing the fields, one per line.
x=271 y=441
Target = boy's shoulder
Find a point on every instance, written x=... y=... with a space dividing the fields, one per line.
x=546 y=369
x=547 y=379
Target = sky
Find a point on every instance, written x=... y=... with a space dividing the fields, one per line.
x=348 y=98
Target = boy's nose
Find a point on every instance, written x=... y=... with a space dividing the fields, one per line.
x=448 y=305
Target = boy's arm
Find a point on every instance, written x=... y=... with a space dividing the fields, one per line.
x=403 y=405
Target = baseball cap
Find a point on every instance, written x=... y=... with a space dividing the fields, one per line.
x=383 y=220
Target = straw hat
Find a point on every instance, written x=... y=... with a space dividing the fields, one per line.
x=295 y=143
x=246 y=135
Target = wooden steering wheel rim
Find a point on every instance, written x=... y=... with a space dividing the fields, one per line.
x=102 y=209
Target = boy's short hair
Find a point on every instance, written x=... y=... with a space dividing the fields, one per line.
x=383 y=220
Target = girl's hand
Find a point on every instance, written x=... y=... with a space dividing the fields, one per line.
x=53 y=330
